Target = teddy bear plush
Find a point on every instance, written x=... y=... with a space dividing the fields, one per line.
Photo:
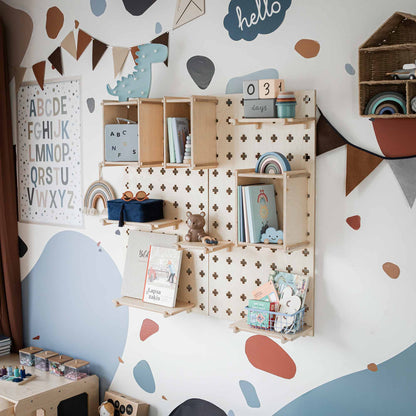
x=196 y=223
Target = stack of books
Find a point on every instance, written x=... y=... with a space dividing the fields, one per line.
x=178 y=130
x=5 y=345
x=256 y=212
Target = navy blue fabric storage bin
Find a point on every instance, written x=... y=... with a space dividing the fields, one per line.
x=135 y=211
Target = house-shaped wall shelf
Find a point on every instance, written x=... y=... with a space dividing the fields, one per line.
x=388 y=49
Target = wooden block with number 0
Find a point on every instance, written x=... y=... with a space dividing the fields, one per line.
x=270 y=88
x=251 y=90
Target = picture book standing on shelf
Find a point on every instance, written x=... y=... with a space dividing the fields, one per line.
x=162 y=276
x=258 y=211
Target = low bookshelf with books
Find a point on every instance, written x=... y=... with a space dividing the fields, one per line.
x=272 y=209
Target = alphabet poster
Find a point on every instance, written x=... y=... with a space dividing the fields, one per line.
x=49 y=153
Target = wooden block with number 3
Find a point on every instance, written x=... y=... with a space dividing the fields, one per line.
x=270 y=88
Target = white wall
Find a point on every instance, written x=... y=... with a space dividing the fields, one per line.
x=356 y=303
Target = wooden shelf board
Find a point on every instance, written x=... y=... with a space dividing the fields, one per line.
x=280 y=247
x=279 y=121
x=122 y=164
x=178 y=165
x=388 y=82
x=388 y=115
x=250 y=173
x=165 y=311
x=389 y=47
x=146 y=226
x=222 y=245
x=134 y=101
x=242 y=325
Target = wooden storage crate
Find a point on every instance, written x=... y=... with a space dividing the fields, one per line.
x=291 y=189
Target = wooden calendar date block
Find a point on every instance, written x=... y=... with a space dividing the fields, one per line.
x=251 y=90
x=270 y=88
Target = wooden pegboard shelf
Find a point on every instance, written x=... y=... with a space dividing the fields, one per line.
x=205 y=248
x=292 y=190
x=146 y=226
x=165 y=311
x=243 y=326
x=258 y=122
x=281 y=247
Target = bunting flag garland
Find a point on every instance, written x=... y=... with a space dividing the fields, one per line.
x=405 y=172
x=39 y=71
x=163 y=39
x=84 y=40
x=18 y=77
x=55 y=58
x=76 y=49
x=396 y=139
x=359 y=165
x=98 y=50
x=133 y=51
x=69 y=44
x=328 y=136
x=119 y=58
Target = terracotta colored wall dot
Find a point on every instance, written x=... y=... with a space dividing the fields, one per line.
x=392 y=270
x=307 y=48
x=354 y=222
x=54 y=22
x=372 y=367
x=266 y=355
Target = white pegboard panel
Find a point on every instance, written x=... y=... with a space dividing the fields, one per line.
x=221 y=283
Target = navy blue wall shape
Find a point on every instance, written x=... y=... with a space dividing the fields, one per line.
x=247 y=18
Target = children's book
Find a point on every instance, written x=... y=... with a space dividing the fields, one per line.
x=241 y=235
x=261 y=210
x=172 y=158
x=258 y=313
x=245 y=217
x=136 y=259
x=180 y=129
x=298 y=283
x=267 y=291
x=162 y=276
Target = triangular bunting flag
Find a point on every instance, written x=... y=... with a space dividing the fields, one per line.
x=98 y=50
x=359 y=165
x=405 y=172
x=69 y=44
x=119 y=57
x=55 y=58
x=39 y=71
x=84 y=40
x=187 y=10
x=327 y=138
x=163 y=39
x=133 y=51
x=19 y=74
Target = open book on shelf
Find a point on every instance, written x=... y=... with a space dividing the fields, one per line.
x=162 y=276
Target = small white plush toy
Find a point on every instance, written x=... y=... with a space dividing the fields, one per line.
x=289 y=305
x=106 y=409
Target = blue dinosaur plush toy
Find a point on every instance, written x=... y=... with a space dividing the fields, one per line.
x=137 y=84
x=272 y=236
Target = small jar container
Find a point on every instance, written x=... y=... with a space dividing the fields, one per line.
x=77 y=369
x=27 y=356
x=56 y=364
x=286 y=105
x=42 y=360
